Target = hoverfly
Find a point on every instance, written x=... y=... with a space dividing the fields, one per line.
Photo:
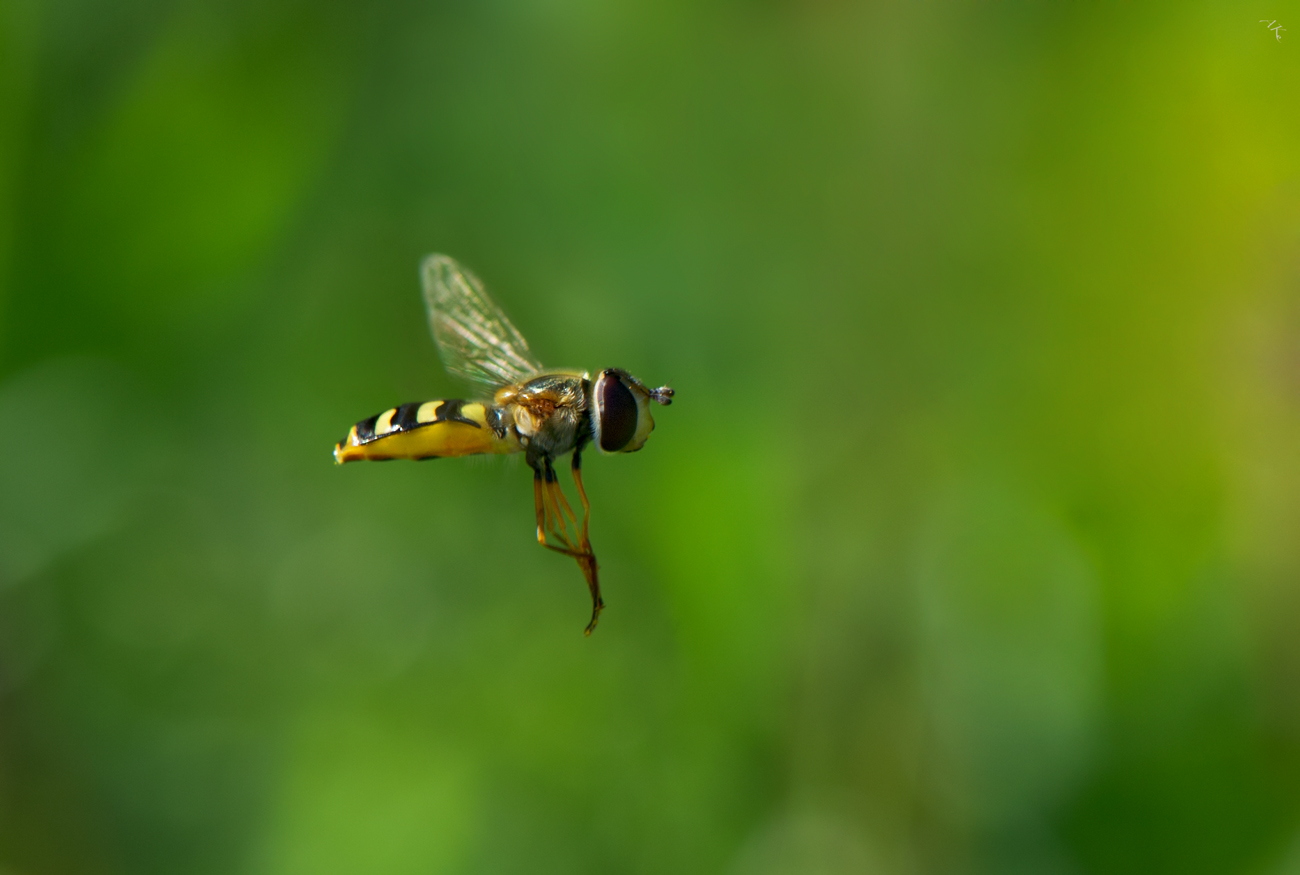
x=535 y=411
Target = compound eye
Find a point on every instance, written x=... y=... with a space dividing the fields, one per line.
x=618 y=413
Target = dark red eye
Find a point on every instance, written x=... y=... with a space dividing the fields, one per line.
x=617 y=414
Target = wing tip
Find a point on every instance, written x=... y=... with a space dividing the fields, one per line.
x=437 y=261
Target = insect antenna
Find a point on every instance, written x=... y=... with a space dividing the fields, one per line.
x=664 y=395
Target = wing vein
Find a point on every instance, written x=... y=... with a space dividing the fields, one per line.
x=475 y=339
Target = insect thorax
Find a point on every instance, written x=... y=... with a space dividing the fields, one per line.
x=549 y=413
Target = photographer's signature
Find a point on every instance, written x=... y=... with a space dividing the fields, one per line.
x=1277 y=31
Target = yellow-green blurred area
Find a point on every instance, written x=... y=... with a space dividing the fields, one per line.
x=971 y=543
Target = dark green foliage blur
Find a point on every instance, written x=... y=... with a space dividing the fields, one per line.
x=971 y=544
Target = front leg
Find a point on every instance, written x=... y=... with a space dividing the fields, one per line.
x=588 y=565
x=576 y=470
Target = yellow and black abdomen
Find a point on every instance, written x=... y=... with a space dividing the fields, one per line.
x=428 y=430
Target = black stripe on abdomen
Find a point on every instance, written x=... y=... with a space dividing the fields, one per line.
x=366 y=429
x=450 y=412
x=406 y=417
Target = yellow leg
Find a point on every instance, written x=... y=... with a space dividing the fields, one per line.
x=541 y=507
x=557 y=504
x=548 y=514
x=562 y=504
x=552 y=506
x=587 y=562
x=582 y=496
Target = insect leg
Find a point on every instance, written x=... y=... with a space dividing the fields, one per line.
x=582 y=496
x=539 y=502
x=548 y=511
x=561 y=502
x=588 y=565
x=584 y=542
x=545 y=489
x=553 y=497
x=587 y=562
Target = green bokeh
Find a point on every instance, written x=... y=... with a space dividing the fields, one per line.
x=971 y=544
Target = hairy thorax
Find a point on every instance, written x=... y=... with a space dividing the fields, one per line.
x=549 y=412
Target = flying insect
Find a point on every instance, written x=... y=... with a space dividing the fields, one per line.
x=542 y=413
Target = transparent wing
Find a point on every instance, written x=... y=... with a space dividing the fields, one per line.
x=476 y=340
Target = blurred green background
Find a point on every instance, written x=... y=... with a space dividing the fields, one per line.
x=971 y=544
